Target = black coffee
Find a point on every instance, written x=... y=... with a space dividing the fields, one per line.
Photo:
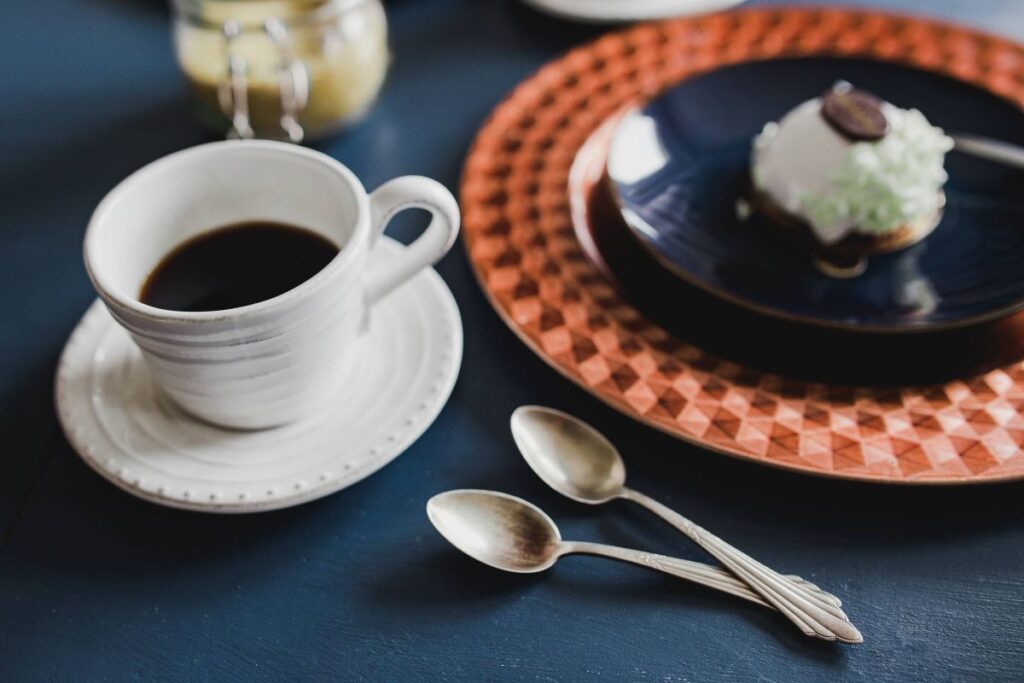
x=235 y=266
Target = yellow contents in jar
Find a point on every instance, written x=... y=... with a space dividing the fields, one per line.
x=342 y=45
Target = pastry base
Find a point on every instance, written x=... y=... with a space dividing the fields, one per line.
x=848 y=257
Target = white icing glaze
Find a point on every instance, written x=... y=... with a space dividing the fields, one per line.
x=838 y=186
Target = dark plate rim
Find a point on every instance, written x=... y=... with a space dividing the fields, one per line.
x=763 y=309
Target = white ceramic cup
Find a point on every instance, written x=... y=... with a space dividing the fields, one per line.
x=277 y=360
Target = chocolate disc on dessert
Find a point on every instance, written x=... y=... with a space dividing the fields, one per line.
x=854 y=113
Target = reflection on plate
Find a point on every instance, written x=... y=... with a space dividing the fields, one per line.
x=679 y=163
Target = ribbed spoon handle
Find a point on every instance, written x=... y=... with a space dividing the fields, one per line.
x=808 y=586
x=815 y=616
x=695 y=572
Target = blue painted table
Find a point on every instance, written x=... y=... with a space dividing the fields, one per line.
x=95 y=585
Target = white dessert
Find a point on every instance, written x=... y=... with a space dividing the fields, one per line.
x=839 y=185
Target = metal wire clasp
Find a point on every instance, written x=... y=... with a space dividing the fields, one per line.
x=292 y=82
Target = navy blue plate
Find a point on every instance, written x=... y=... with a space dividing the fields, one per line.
x=688 y=164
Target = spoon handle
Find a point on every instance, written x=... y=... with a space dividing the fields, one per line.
x=816 y=617
x=696 y=572
x=803 y=583
x=987 y=148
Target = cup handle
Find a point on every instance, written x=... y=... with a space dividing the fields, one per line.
x=410 y=192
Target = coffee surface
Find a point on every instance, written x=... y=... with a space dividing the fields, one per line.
x=236 y=265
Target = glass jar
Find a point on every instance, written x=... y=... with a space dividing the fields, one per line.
x=289 y=69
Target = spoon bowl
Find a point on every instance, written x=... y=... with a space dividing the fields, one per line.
x=499 y=530
x=568 y=455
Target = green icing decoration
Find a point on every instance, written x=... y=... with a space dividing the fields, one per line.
x=882 y=185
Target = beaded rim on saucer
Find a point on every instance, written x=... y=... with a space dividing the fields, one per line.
x=518 y=227
x=126 y=431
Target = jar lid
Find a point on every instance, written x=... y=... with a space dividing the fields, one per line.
x=251 y=14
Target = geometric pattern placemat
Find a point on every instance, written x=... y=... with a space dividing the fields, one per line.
x=520 y=239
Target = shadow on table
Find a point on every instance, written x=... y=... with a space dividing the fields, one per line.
x=460 y=586
x=663 y=595
x=859 y=513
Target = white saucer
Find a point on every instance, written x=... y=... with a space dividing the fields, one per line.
x=613 y=11
x=141 y=442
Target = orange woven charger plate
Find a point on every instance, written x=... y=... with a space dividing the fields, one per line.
x=521 y=242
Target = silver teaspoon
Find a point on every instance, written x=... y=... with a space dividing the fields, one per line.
x=573 y=458
x=988 y=148
x=510 y=534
